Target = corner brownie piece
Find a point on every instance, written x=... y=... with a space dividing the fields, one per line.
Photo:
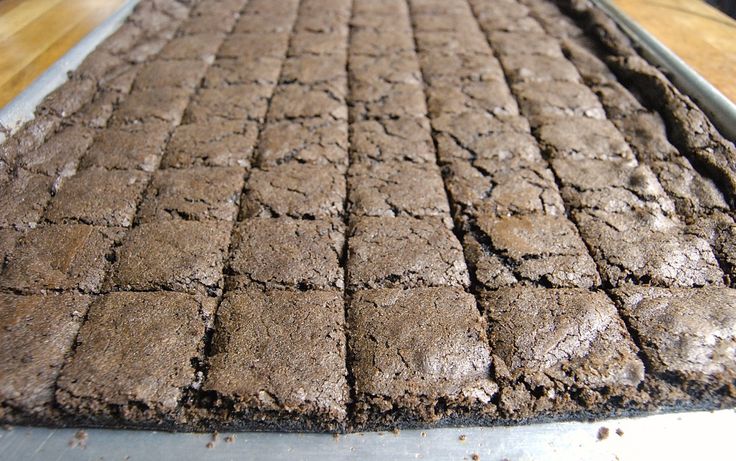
x=687 y=335
x=134 y=359
x=287 y=253
x=278 y=361
x=60 y=257
x=419 y=356
x=37 y=334
x=172 y=255
x=560 y=351
x=404 y=252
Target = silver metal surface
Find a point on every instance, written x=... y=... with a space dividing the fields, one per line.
x=697 y=435
x=720 y=109
x=21 y=108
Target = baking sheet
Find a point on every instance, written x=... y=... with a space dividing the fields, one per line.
x=695 y=435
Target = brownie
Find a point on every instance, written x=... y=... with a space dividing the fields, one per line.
x=296 y=191
x=317 y=141
x=176 y=255
x=472 y=127
x=160 y=74
x=404 y=252
x=313 y=69
x=469 y=40
x=525 y=43
x=60 y=257
x=23 y=199
x=226 y=72
x=8 y=237
x=134 y=147
x=583 y=138
x=278 y=361
x=299 y=101
x=287 y=253
x=221 y=143
x=520 y=68
x=98 y=197
x=38 y=333
x=248 y=45
x=212 y=21
x=560 y=351
x=68 y=98
x=449 y=97
x=319 y=43
x=541 y=100
x=396 y=189
x=406 y=139
x=262 y=20
x=393 y=67
x=386 y=41
x=60 y=154
x=199 y=46
x=193 y=194
x=134 y=359
x=386 y=100
x=230 y=104
x=418 y=357
x=438 y=65
x=162 y=104
x=687 y=336
x=502 y=187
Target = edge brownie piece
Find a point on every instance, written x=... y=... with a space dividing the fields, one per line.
x=419 y=356
x=560 y=351
x=404 y=252
x=133 y=359
x=687 y=335
x=279 y=360
x=38 y=332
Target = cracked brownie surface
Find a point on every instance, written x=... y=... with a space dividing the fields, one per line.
x=342 y=215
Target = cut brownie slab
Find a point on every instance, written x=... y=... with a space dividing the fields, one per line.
x=172 y=255
x=60 y=257
x=134 y=359
x=287 y=253
x=418 y=356
x=560 y=351
x=23 y=199
x=38 y=333
x=404 y=252
x=193 y=194
x=296 y=191
x=98 y=197
x=278 y=361
x=687 y=335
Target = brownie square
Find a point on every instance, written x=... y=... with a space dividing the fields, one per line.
x=8 y=237
x=249 y=45
x=506 y=136
x=402 y=139
x=200 y=46
x=299 y=101
x=538 y=249
x=161 y=74
x=193 y=194
x=287 y=253
x=373 y=42
x=394 y=67
x=397 y=189
x=439 y=65
x=278 y=361
x=525 y=43
x=317 y=141
x=60 y=154
x=583 y=138
x=98 y=197
x=69 y=97
x=560 y=351
x=134 y=359
x=38 y=333
x=404 y=252
x=380 y=99
x=234 y=103
x=23 y=199
x=688 y=336
x=60 y=257
x=320 y=43
x=211 y=144
x=541 y=100
x=450 y=97
x=134 y=147
x=294 y=190
x=162 y=104
x=418 y=357
x=469 y=40
x=177 y=255
x=226 y=72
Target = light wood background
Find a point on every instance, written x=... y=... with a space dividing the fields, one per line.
x=35 y=33
x=700 y=34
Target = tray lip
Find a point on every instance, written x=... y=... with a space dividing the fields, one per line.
x=21 y=109
x=719 y=109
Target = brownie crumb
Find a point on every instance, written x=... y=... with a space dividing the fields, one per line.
x=230 y=439
x=619 y=432
x=462 y=437
x=79 y=439
x=396 y=431
x=603 y=433
x=475 y=457
x=210 y=444
x=7 y=427
x=424 y=434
